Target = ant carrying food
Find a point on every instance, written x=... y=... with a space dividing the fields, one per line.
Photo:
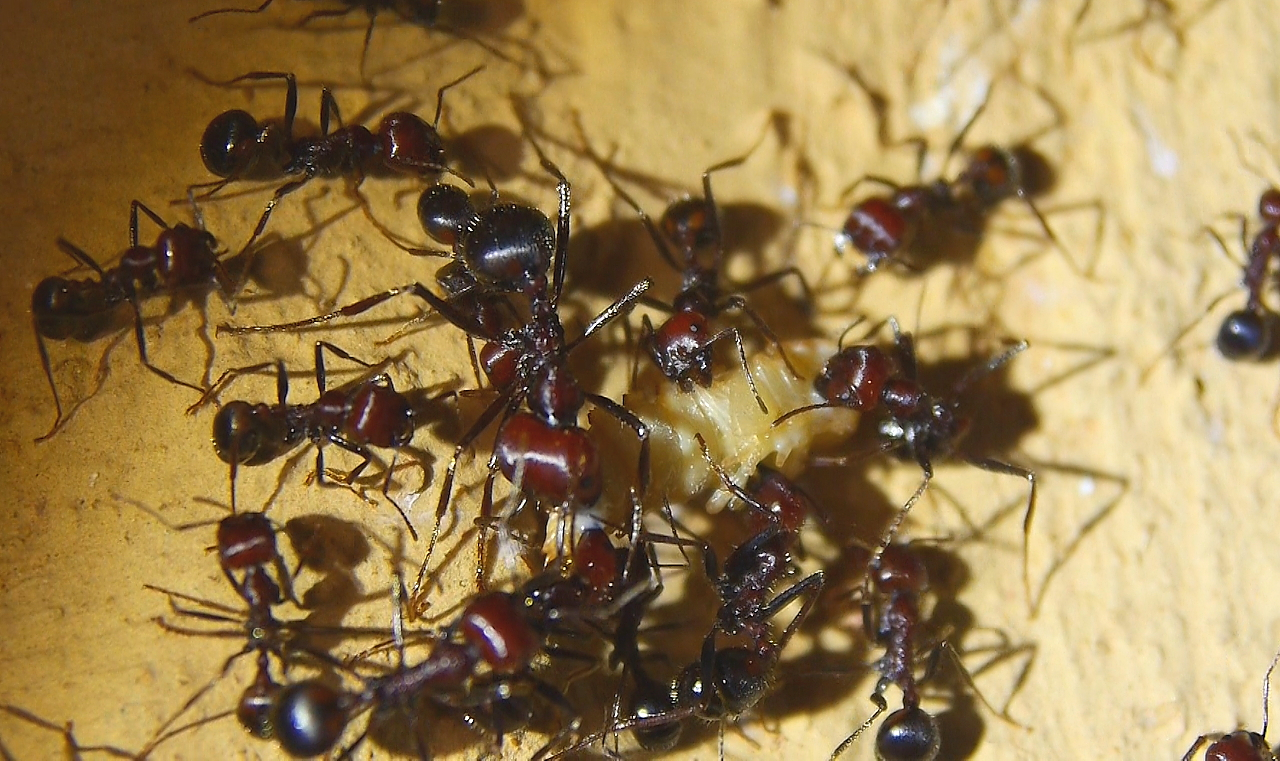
x=510 y=247
x=682 y=346
x=1242 y=744
x=915 y=424
x=236 y=146
x=183 y=259
x=355 y=417
x=891 y=610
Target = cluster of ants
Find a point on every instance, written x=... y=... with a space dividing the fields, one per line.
x=499 y=662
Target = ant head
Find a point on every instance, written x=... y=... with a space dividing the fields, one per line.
x=742 y=678
x=1240 y=745
x=781 y=498
x=444 y=210
x=855 y=377
x=909 y=734
x=510 y=247
x=690 y=224
x=309 y=718
x=246 y=540
x=1269 y=206
x=410 y=145
x=226 y=147
x=596 y=560
x=877 y=227
x=237 y=435
x=255 y=708
x=1245 y=334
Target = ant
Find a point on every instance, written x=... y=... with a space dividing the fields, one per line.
x=884 y=227
x=355 y=417
x=682 y=346
x=183 y=258
x=1240 y=745
x=251 y=561
x=236 y=146
x=503 y=632
x=513 y=248
x=915 y=424
x=891 y=613
x=725 y=682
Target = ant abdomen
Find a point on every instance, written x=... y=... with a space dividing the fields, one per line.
x=236 y=146
x=1245 y=334
x=65 y=309
x=909 y=734
x=661 y=737
x=509 y=246
x=240 y=430
x=444 y=211
x=309 y=718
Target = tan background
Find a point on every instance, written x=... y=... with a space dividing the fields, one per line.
x=1154 y=626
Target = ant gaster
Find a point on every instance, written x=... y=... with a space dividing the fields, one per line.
x=182 y=258
x=915 y=424
x=370 y=413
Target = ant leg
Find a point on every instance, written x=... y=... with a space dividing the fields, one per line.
x=80 y=257
x=988 y=367
x=774 y=277
x=632 y=421
x=560 y=258
x=225 y=379
x=290 y=95
x=611 y=312
x=140 y=336
x=659 y=241
x=448 y=86
x=485 y=522
x=219 y=11
x=905 y=347
x=1201 y=740
x=320 y=372
x=134 y=207
x=875 y=179
x=328 y=108
x=896 y=523
x=950 y=651
x=503 y=404
x=809 y=587
x=881 y=707
x=737 y=303
x=281 y=192
x=999 y=466
x=48 y=373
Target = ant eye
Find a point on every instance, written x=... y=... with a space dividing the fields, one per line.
x=908 y=735
x=1244 y=335
x=224 y=145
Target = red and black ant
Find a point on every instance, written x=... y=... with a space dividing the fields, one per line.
x=884 y=227
x=182 y=259
x=682 y=346
x=510 y=247
x=251 y=561
x=355 y=417
x=1242 y=744
x=484 y=660
x=891 y=612
x=915 y=424
x=236 y=146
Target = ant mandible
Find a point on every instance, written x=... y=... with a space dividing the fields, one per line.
x=915 y=424
x=369 y=413
x=236 y=146
x=183 y=258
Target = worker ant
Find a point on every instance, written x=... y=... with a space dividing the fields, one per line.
x=355 y=417
x=182 y=259
x=236 y=146
x=682 y=346
x=914 y=424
